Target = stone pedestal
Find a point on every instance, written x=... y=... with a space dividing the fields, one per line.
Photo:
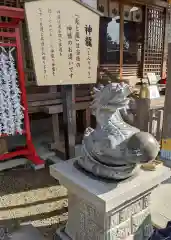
x=101 y=210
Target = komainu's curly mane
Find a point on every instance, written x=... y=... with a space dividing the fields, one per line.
x=114 y=94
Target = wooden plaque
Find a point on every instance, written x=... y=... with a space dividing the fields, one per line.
x=64 y=36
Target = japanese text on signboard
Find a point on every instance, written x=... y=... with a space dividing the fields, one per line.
x=42 y=43
x=77 y=40
x=64 y=42
x=88 y=43
x=59 y=32
x=52 y=51
x=70 y=49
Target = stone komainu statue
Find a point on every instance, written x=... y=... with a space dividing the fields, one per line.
x=113 y=149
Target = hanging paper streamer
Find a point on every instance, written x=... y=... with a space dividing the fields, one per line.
x=11 y=111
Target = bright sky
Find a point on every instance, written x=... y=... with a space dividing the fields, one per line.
x=113 y=30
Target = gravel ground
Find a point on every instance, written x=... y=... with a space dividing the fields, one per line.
x=28 y=196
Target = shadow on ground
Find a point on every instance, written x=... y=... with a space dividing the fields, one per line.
x=28 y=196
x=160 y=204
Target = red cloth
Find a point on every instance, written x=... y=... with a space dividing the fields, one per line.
x=162 y=81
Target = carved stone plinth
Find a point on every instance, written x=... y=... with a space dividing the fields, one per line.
x=100 y=210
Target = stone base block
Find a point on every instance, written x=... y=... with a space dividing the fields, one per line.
x=61 y=235
x=86 y=221
x=101 y=210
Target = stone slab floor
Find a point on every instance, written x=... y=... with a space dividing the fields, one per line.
x=161 y=204
x=28 y=196
x=34 y=197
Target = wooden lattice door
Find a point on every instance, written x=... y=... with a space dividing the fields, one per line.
x=154 y=40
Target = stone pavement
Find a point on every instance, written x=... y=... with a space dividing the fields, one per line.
x=161 y=204
x=32 y=197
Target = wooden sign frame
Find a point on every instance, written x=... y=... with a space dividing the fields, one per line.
x=68 y=59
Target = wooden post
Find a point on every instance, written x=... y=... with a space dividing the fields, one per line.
x=142 y=116
x=165 y=49
x=166 y=136
x=121 y=33
x=69 y=119
x=144 y=42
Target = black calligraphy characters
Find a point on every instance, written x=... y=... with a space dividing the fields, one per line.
x=52 y=51
x=70 y=49
x=77 y=40
x=88 y=39
x=59 y=33
x=42 y=40
x=88 y=43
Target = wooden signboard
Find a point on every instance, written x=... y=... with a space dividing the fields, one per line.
x=64 y=36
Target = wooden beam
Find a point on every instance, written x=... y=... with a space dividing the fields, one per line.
x=152 y=2
x=56 y=127
x=144 y=40
x=106 y=6
x=121 y=36
x=165 y=48
x=158 y=3
x=59 y=108
x=69 y=119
